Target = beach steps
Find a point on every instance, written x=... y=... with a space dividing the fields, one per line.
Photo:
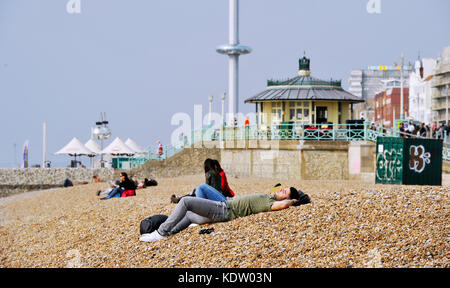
x=187 y=162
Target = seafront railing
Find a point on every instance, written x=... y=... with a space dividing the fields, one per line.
x=283 y=131
x=317 y=132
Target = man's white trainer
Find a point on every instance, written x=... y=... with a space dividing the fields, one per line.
x=154 y=236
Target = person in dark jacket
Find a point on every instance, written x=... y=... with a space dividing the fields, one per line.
x=208 y=192
x=125 y=188
x=226 y=190
x=212 y=180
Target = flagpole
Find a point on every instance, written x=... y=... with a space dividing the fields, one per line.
x=44 y=144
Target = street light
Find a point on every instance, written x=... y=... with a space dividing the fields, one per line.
x=223 y=108
x=401 y=87
x=210 y=109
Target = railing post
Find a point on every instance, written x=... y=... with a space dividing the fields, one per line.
x=366 y=130
x=303 y=130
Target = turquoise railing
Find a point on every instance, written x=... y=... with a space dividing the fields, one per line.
x=288 y=131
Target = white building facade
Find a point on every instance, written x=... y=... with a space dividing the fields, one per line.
x=421 y=90
x=441 y=95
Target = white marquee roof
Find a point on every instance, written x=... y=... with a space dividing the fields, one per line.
x=130 y=143
x=75 y=148
x=117 y=147
x=93 y=146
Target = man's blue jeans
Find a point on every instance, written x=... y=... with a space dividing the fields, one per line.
x=116 y=192
x=207 y=192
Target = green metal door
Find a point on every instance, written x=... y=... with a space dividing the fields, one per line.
x=389 y=168
x=422 y=162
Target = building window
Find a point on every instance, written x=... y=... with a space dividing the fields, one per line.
x=276 y=104
x=299 y=114
x=292 y=114
x=306 y=114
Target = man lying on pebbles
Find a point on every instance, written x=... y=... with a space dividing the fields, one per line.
x=200 y=211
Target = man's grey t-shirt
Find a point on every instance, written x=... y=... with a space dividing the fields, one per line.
x=249 y=204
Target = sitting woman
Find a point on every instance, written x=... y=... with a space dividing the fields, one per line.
x=200 y=211
x=125 y=188
x=226 y=190
x=208 y=191
x=212 y=181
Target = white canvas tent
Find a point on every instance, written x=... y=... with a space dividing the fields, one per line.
x=117 y=147
x=74 y=148
x=130 y=143
x=95 y=148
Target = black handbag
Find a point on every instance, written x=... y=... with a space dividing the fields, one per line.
x=150 y=224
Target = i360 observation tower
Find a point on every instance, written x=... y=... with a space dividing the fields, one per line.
x=233 y=49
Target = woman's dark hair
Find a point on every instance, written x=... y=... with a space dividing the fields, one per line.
x=217 y=166
x=124 y=174
x=209 y=165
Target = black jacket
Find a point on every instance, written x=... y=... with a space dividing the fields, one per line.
x=127 y=184
x=214 y=180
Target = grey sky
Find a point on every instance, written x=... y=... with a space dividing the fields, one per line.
x=142 y=61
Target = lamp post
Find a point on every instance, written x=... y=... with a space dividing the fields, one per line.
x=223 y=108
x=44 y=145
x=222 y=130
x=401 y=87
x=210 y=109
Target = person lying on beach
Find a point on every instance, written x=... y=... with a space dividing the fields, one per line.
x=139 y=184
x=200 y=211
x=145 y=183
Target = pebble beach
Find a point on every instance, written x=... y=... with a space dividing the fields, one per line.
x=348 y=224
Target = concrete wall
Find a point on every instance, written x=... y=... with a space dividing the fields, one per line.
x=14 y=181
x=446 y=167
x=313 y=160
x=262 y=163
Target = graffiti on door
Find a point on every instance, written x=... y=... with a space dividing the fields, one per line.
x=389 y=165
x=418 y=158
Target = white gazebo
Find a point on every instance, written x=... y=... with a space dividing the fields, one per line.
x=95 y=148
x=75 y=148
x=138 y=149
x=117 y=147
